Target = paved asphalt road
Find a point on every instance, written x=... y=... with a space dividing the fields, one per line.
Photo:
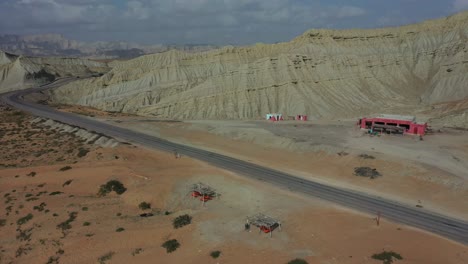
x=454 y=229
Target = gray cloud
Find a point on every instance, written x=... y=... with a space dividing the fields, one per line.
x=199 y=21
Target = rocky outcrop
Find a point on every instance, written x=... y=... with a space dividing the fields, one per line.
x=323 y=73
x=19 y=72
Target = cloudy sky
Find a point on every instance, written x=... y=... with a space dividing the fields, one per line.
x=209 y=21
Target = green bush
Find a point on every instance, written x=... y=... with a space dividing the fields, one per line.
x=182 y=220
x=110 y=186
x=120 y=229
x=171 y=245
x=297 y=261
x=144 y=206
x=55 y=193
x=24 y=220
x=86 y=224
x=215 y=254
x=387 y=257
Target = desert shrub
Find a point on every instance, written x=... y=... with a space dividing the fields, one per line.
x=171 y=245
x=82 y=152
x=65 y=168
x=181 y=221
x=387 y=257
x=32 y=174
x=144 y=206
x=55 y=193
x=66 y=225
x=108 y=256
x=84 y=208
x=86 y=224
x=67 y=183
x=40 y=207
x=120 y=229
x=297 y=261
x=24 y=220
x=2 y=222
x=365 y=156
x=366 y=172
x=215 y=254
x=112 y=185
x=137 y=251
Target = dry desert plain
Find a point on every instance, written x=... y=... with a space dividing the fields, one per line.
x=47 y=175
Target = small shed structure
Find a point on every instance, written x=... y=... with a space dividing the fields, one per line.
x=397 y=124
x=274 y=117
x=265 y=223
x=301 y=117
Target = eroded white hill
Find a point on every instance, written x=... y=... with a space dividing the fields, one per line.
x=323 y=73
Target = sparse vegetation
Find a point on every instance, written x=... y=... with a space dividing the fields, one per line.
x=55 y=193
x=171 y=245
x=31 y=174
x=144 y=206
x=2 y=222
x=112 y=185
x=181 y=221
x=84 y=208
x=366 y=172
x=365 y=156
x=82 y=152
x=297 y=261
x=120 y=229
x=40 y=207
x=215 y=254
x=137 y=251
x=65 y=168
x=67 y=224
x=24 y=220
x=67 y=183
x=86 y=224
x=387 y=257
x=108 y=256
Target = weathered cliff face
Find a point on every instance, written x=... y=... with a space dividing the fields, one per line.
x=18 y=72
x=323 y=73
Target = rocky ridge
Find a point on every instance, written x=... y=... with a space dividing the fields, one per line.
x=20 y=72
x=322 y=73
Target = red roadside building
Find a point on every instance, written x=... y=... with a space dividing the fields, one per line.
x=394 y=124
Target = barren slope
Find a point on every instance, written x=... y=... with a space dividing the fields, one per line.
x=323 y=73
x=19 y=72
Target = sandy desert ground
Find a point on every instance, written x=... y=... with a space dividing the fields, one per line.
x=313 y=230
x=430 y=173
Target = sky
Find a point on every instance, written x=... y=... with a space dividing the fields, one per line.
x=218 y=22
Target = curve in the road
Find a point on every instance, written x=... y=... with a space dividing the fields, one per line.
x=455 y=229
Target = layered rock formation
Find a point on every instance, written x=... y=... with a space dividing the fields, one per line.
x=19 y=72
x=323 y=73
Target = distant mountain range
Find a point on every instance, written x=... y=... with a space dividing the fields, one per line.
x=58 y=45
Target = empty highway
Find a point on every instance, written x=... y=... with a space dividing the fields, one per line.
x=451 y=228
